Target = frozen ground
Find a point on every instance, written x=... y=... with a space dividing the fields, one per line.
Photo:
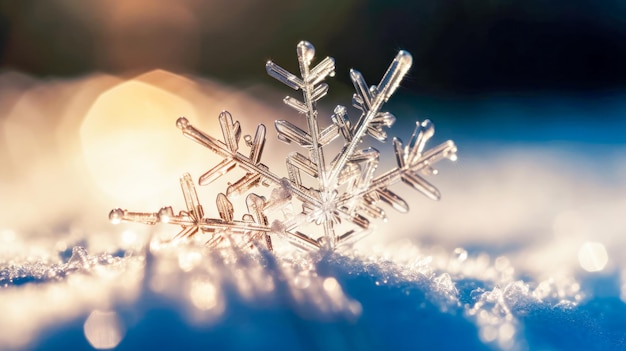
x=525 y=250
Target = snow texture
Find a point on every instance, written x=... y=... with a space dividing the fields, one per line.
x=190 y=296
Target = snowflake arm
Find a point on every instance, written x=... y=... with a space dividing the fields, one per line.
x=193 y=221
x=370 y=102
x=312 y=91
x=412 y=162
x=253 y=169
x=189 y=220
x=228 y=150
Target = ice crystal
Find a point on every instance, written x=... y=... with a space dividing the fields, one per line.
x=345 y=193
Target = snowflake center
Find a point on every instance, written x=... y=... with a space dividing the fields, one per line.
x=328 y=209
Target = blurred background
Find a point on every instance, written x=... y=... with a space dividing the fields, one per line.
x=460 y=47
x=546 y=64
x=95 y=87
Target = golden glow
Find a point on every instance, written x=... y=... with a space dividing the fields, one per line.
x=103 y=330
x=204 y=295
x=592 y=256
x=302 y=280
x=130 y=130
x=331 y=285
x=505 y=335
x=130 y=239
x=189 y=260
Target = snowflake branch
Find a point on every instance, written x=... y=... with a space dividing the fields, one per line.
x=193 y=221
x=232 y=157
x=373 y=100
x=412 y=160
x=312 y=91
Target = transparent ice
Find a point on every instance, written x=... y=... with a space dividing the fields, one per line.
x=342 y=195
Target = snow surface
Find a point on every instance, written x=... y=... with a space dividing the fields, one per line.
x=400 y=297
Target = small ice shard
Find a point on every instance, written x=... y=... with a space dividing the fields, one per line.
x=79 y=260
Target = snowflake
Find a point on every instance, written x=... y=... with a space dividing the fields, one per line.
x=346 y=193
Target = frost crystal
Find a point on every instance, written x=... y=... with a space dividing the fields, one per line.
x=345 y=194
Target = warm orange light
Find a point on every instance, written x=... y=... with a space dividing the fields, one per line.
x=130 y=144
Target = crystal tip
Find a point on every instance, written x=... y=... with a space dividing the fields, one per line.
x=404 y=58
x=165 y=214
x=182 y=123
x=116 y=215
x=306 y=51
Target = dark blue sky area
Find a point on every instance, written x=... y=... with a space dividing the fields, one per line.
x=460 y=47
x=530 y=69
